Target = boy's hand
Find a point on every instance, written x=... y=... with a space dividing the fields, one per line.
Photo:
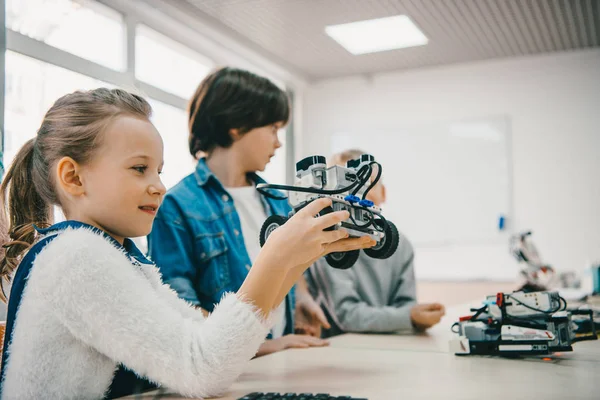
x=290 y=342
x=424 y=316
x=309 y=317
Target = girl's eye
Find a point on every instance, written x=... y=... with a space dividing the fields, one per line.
x=140 y=168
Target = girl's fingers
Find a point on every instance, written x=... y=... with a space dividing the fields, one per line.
x=333 y=218
x=350 y=244
x=333 y=236
x=314 y=207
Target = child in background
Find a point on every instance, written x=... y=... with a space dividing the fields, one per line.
x=374 y=295
x=205 y=238
x=85 y=301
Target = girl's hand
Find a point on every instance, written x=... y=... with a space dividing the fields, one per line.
x=302 y=239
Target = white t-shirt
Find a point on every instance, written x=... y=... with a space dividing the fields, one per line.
x=252 y=216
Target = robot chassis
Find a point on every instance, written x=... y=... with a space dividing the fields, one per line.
x=519 y=324
x=347 y=187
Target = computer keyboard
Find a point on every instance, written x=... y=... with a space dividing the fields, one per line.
x=296 y=396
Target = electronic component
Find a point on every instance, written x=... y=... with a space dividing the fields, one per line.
x=516 y=324
x=347 y=187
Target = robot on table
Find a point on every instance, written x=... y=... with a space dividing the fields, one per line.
x=519 y=324
x=347 y=187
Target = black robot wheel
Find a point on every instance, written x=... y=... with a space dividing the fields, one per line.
x=388 y=245
x=270 y=224
x=342 y=260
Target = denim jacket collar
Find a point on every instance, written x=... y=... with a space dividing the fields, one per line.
x=128 y=246
x=203 y=174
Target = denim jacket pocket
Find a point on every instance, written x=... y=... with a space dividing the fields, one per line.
x=211 y=249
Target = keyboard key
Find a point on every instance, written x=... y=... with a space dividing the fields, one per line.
x=251 y=396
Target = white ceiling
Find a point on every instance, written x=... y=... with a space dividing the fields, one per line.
x=292 y=31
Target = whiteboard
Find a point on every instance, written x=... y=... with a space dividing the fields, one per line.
x=447 y=182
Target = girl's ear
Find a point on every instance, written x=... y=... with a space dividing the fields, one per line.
x=68 y=176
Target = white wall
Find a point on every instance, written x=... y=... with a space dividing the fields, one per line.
x=553 y=102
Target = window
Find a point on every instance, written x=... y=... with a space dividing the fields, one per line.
x=32 y=87
x=167 y=64
x=172 y=125
x=85 y=29
x=91 y=30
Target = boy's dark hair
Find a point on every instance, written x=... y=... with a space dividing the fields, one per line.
x=232 y=98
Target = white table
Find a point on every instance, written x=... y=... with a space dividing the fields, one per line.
x=383 y=367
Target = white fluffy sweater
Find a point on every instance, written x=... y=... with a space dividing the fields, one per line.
x=86 y=308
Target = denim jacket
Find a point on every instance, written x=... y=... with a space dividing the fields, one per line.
x=197 y=242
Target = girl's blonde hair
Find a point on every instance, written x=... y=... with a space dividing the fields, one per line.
x=71 y=128
x=345 y=156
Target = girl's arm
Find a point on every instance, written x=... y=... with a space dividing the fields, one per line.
x=109 y=305
x=291 y=249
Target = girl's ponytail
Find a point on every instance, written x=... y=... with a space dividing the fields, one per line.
x=25 y=207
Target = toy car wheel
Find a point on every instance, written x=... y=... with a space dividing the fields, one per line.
x=270 y=224
x=388 y=245
x=342 y=260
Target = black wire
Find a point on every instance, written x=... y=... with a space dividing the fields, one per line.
x=478 y=312
x=265 y=193
x=563 y=301
x=366 y=225
x=376 y=178
x=372 y=220
x=453 y=325
x=263 y=186
x=366 y=170
x=383 y=228
x=361 y=180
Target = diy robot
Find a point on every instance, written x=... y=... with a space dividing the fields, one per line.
x=347 y=187
x=519 y=324
x=538 y=275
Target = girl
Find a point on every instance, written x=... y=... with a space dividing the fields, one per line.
x=206 y=235
x=85 y=301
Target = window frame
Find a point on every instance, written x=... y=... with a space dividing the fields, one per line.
x=22 y=44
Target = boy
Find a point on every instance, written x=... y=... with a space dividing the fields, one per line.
x=374 y=295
